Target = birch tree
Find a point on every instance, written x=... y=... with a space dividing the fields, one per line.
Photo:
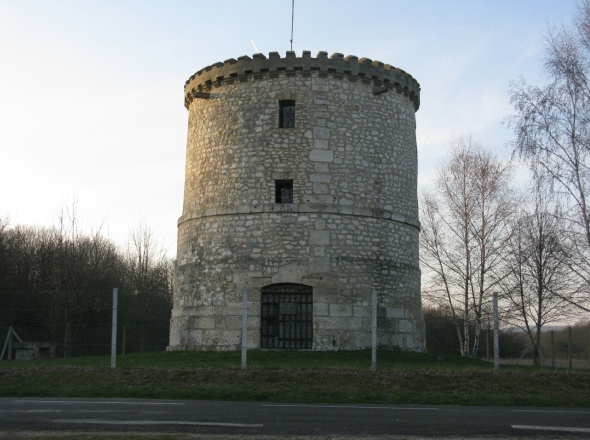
x=552 y=128
x=465 y=218
x=539 y=276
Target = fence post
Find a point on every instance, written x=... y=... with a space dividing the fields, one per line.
x=552 y=349
x=9 y=343
x=374 y=330
x=496 y=336
x=569 y=347
x=114 y=330
x=66 y=341
x=245 y=328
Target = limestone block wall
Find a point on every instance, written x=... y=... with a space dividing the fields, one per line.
x=353 y=224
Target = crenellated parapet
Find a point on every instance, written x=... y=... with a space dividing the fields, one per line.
x=383 y=77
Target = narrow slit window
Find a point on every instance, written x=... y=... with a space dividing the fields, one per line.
x=283 y=191
x=286 y=113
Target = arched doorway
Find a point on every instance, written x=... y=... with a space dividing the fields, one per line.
x=286 y=316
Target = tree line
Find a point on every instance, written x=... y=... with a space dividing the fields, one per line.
x=56 y=280
x=482 y=234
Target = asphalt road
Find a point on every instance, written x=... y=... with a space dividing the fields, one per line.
x=247 y=418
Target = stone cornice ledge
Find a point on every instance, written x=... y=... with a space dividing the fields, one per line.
x=301 y=208
x=382 y=76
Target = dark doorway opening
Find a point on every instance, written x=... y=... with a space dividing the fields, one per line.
x=286 y=316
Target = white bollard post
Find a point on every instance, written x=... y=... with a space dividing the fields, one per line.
x=244 y=328
x=496 y=336
x=114 y=329
x=374 y=330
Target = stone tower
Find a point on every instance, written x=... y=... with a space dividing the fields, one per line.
x=301 y=187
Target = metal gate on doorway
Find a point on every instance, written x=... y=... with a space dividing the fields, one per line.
x=286 y=316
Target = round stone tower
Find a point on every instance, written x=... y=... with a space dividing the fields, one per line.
x=301 y=189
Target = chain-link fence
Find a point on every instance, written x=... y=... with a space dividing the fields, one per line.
x=68 y=327
x=72 y=324
x=558 y=346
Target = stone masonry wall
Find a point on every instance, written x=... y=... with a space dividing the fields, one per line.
x=353 y=224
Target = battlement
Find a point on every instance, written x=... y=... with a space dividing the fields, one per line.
x=382 y=76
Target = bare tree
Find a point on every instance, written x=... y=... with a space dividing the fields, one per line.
x=539 y=276
x=6 y=269
x=464 y=227
x=62 y=279
x=149 y=279
x=4 y=252
x=72 y=272
x=552 y=127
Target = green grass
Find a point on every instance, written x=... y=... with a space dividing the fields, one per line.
x=361 y=360
x=298 y=377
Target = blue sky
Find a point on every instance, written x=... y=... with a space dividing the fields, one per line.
x=91 y=92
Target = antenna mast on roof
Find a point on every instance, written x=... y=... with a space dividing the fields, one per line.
x=292 y=20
